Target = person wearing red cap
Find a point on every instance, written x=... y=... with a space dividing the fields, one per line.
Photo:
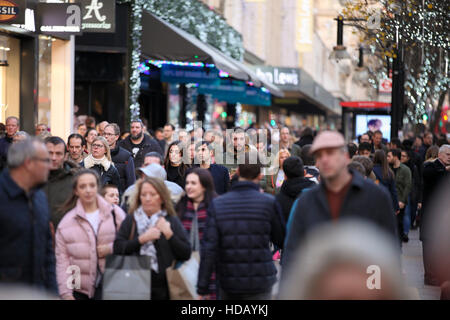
x=341 y=194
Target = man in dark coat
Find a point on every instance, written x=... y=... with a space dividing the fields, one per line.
x=219 y=173
x=342 y=194
x=293 y=186
x=26 y=250
x=307 y=137
x=122 y=159
x=240 y=226
x=139 y=144
x=60 y=181
x=434 y=174
x=427 y=143
x=309 y=163
x=12 y=126
x=403 y=184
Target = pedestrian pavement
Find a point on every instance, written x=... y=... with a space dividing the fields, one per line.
x=412 y=268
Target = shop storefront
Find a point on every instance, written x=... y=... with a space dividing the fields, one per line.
x=158 y=72
x=305 y=102
x=199 y=82
x=101 y=63
x=36 y=68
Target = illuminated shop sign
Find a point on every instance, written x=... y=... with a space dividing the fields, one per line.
x=12 y=11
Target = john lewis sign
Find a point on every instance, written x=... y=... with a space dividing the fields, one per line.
x=287 y=79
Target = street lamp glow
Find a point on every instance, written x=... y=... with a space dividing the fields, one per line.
x=339 y=53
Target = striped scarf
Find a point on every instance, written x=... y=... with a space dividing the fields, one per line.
x=189 y=215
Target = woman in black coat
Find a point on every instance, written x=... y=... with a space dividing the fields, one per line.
x=174 y=163
x=385 y=176
x=155 y=231
x=100 y=160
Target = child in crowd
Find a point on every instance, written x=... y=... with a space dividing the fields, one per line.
x=111 y=194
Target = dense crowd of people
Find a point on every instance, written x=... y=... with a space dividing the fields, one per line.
x=245 y=199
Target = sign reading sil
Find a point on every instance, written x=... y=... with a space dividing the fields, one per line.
x=12 y=11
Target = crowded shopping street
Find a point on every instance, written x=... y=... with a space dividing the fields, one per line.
x=224 y=150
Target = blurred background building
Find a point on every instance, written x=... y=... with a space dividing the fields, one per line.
x=223 y=62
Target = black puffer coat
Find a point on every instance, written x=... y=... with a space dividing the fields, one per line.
x=239 y=228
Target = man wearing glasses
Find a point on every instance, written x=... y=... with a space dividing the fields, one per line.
x=26 y=250
x=122 y=159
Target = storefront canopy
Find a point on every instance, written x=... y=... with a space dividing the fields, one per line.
x=163 y=41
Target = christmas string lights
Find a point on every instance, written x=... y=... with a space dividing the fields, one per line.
x=423 y=30
x=190 y=15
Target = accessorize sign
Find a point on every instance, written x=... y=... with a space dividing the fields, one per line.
x=12 y=11
x=59 y=19
x=98 y=16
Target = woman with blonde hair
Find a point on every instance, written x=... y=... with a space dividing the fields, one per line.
x=153 y=229
x=275 y=177
x=85 y=237
x=100 y=161
x=432 y=153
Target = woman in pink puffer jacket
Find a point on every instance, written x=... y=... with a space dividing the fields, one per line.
x=84 y=238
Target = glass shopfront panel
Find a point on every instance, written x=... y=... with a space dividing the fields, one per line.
x=45 y=74
x=9 y=77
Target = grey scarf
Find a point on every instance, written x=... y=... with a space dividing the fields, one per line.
x=143 y=223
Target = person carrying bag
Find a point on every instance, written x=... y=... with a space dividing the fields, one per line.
x=182 y=276
x=127 y=277
x=159 y=235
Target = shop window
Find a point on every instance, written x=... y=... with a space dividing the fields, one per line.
x=9 y=77
x=45 y=76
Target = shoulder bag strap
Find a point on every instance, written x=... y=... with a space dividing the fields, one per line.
x=114 y=217
x=195 y=239
x=133 y=228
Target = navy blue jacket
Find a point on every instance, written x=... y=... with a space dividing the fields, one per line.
x=4 y=146
x=364 y=200
x=239 y=228
x=26 y=249
x=389 y=184
x=221 y=178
